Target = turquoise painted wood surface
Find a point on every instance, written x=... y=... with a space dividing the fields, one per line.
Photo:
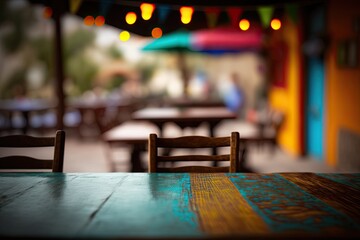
x=178 y=206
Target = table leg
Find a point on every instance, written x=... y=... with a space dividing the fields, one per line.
x=243 y=159
x=27 y=122
x=160 y=125
x=135 y=158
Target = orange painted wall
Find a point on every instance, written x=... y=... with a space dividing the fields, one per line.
x=342 y=84
x=288 y=99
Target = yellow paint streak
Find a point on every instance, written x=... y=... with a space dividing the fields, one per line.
x=221 y=209
x=288 y=99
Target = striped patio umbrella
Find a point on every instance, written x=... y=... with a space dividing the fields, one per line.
x=211 y=41
x=225 y=40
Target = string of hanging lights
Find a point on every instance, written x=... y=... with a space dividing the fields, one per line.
x=236 y=14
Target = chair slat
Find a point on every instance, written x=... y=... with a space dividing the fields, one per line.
x=25 y=162
x=197 y=158
x=28 y=162
x=25 y=141
x=193 y=142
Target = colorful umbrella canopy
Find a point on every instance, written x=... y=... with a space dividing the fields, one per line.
x=176 y=41
x=225 y=39
x=207 y=40
x=213 y=41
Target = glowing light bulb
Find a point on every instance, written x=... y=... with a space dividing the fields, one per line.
x=147 y=10
x=275 y=24
x=124 y=36
x=156 y=32
x=89 y=20
x=130 y=18
x=244 y=24
x=99 y=21
x=47 y=12
x=186 y=14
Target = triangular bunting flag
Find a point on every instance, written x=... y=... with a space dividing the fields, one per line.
x=212 y=14
x=104 y=6
x=265 y=15
x=74 y=5
x=234 y=15
x=163 y=11
x=292 y=11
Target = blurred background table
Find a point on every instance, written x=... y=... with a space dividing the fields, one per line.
x=185 y=117
x=100 y=114
x=24 y=107
x=133 y=134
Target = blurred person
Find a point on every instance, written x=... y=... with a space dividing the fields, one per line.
x=199 y=86
x=234 y=96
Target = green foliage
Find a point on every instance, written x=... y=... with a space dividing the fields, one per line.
x=78 y=68
x=43 y=49
x=14 y=38
x=146 y=70
x=81 y=71
x=16 y=80
x=114 y=52
x=77 y=41
x=17 y=21
x=74 y=47
x=115 y=82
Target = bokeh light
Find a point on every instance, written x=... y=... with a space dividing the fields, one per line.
x=147 y=10
x=99 y=21
x=156 y=32
x=244 y=24
x=275 y=24
x=130 y=18
x=186 y=14
x=89 y=20
x=47 y=12
x=124 y=36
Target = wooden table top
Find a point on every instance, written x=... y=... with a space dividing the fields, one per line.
x=184 y=114
x=179 y=206
x=131 y=132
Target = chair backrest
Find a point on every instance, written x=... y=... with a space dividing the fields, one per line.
x=27 y=162
x=194 y=142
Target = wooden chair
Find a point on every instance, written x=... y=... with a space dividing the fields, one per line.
x=194 y=142
x=27 y=162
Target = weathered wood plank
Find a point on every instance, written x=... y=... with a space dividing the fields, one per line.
x=170 y=206
x=162 y=209
x=58 y=205
x=194 y=169
x=11 y=188
x=351 y=180
x=337 y=195
x=287 y=208
x=221 y=208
